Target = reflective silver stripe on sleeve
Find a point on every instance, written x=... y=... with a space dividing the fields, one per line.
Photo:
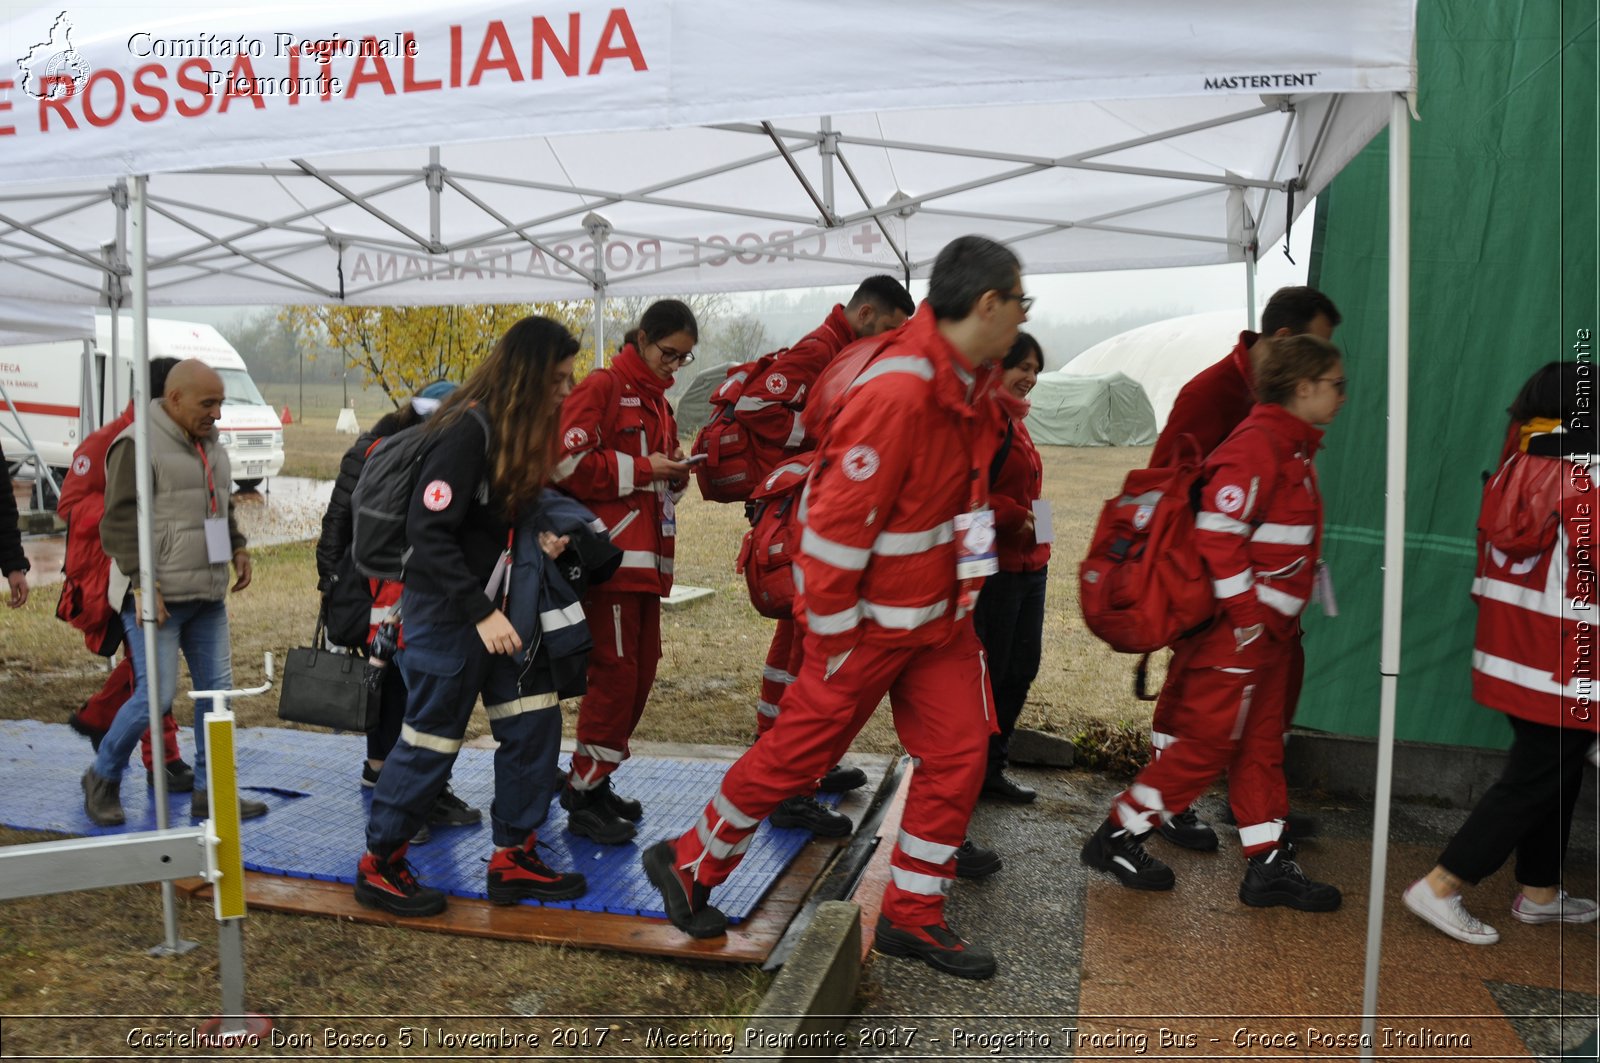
x=1149 y=498
x=1287 y=604
x=904 y=617
x=916 y=366
x=904 y=544
x=1285 y=534
x=730 y=812
x=834 y=623
x=1217 y=522
x=624 y=474
x=567 y=466
x=767 y=708
x=417 y=739
x=751 y=404
x=918 y=883
x=1227 y=588
x=556 y=619
x=777 y=675
x=718 y=849
x=850 y=558
x=504 y=710
x=1250 y=499
x=797 y=433
x=924 y=850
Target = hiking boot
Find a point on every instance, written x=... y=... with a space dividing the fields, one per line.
x=519 y=875
x=200 y=806
x=102 y=800
x=589 y=815
x=997 y=784
x=840 y=779
x=625 y=807
x=369 y=775
x=1114 y=849
x=686 y=902
x=95 y=735
x=936 y=945
x=1299 y=826
x=450 y=811
x=1190 y=831
x=1564 y=909
x=180 y=777
x=807 y=813
x=390 y=885
x=1448 y=914
x=1273 y=878
x=974 y=861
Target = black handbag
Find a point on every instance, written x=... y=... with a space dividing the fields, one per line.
x=329 y=688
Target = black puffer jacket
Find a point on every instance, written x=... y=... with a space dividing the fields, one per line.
x=336 y=522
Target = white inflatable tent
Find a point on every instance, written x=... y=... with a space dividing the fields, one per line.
x=409 y=151
x=1163 y=355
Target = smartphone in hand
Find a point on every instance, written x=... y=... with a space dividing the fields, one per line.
x=696 y=459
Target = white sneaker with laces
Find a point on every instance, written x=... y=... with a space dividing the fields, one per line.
x=1448 y=914
x=1563 y=909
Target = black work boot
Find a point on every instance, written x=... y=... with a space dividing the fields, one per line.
x=841 y=779
x=1114 y=849
x=807 y=813
x=200 y=806
x=1273 y=878
x=180 y=777
x=625 y=807
x=974 y=861
x=450 y=811
x=936 y=945
x=518 y=874
x=686 y=902
x=102 y=800
x=1190 y=831
x=390 y=885
x=588 y=814
x=1000 y=786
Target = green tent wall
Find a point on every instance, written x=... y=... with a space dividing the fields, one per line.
x=1503 y=280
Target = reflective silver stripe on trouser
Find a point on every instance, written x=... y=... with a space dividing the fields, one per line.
x=726 y=813
x=556 y=619
x=1138 y=821
x=1261 y=833
x=1217 y=522
x=730 y=812
x=716 y=848
x=1161 y=742
x=924 y=850
x=849 y=558
x=504 y=710
x=767 y=708
x=917 y=882
x=436 y=743
x=1285 y=534
x=597 y=755
x=777 y=675
x=1233 y=585
x=1245 y=697
x=1287 y=604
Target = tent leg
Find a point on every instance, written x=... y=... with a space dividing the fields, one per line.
x=1250 y=287
x=1394 y=536
x=599 y=232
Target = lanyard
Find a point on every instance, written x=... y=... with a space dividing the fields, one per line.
x=211 y=486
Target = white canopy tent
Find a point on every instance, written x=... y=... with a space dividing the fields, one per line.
x=416 y=152
x=35 y=322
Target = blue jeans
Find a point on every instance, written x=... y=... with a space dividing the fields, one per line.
x=200 y=630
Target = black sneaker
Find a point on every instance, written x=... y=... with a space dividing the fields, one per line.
x=1273 y=878
x=973 y=861
x=997 y=784
x=450 y=811
x=369 y=775
x=937 y=945
x=95 y=735
x=1115 y=850
x=180 y=777
x=200 y=806
x=625 y=807
x=687 y=902
x=423 y=836
x=390 y=885
x=841 y=780
x=1190 y=831
x=589 y=815
x=519 y=875
x=807 y=813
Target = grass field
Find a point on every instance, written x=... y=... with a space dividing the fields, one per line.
x=85 y=954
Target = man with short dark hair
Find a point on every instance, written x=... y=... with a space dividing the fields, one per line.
x=898 y=539
x=1208 y=409
x=196 y=540
x=770 y=408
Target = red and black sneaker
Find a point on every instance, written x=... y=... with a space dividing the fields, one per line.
x=390 y=885
x=936 y=945
x=519 y=875
x=686 y=902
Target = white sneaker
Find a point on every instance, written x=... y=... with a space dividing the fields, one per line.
x=1563 y=909
x=1448 y=914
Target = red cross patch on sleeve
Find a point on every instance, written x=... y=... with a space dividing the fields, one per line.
x=436 y=496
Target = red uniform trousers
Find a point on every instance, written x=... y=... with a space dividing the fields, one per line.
x=1161 y=733
x=944 y=716
x=783 y=664
x=1225 y=711
x=98 y=712
x=626 y=629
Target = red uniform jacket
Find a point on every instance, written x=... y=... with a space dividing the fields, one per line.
x=83 y=601
x=1012 y=495
x=908 y=450
x=770 y=405
x=1259 y=529
x=610 y=424
x=1211 y=405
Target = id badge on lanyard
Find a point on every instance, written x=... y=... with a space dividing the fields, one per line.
x=976 y=555
x=669 y=514
x=219 y=545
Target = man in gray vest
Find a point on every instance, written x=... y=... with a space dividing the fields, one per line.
x=195 y=540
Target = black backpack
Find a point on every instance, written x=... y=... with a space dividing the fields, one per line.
x=382 y=498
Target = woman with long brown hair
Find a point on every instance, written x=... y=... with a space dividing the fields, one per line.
x=489 y=452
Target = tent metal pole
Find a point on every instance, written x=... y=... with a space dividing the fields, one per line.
x=827 y=147
x=599 y=231
x=435 y=181
x=1250 y=285
x=89 y=415
x=1394 y=536
x=140 y=277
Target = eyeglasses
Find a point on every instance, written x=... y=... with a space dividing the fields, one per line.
x=672 y=357
x=1026 y=301
x=1340 y=384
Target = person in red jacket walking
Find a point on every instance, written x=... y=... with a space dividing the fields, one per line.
x=1532 y=659
x=1010 y=616
x=620 y=456
x=84 y=603
x=770 y=408
x=1259 y=534
x=1208 y=409
x=898 y=536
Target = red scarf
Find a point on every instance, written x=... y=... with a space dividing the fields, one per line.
x=630 y=365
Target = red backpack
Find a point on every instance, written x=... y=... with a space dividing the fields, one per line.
x=1142 y=585
x=1521 y=507
x=767 y=555
x=729 y=472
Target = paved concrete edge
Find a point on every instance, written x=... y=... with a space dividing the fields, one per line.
x=804 y=1011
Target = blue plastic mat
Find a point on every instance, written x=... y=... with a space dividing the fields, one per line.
x=316 y=826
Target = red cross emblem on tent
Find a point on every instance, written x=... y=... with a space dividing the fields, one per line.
x=866 y=239
x=436 y=496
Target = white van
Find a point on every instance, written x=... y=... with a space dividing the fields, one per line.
x=45 y=384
